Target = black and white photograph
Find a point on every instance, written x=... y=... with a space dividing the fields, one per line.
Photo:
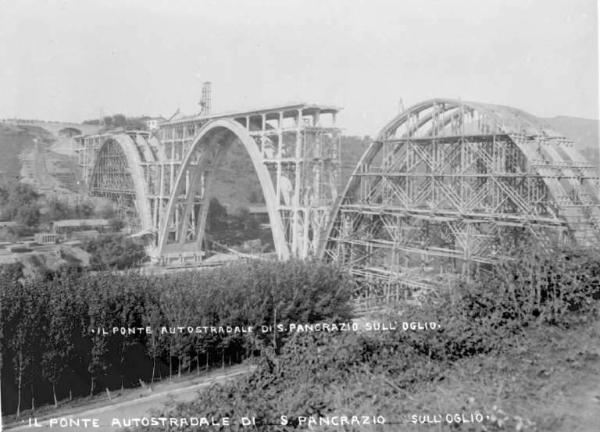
x=299 y=215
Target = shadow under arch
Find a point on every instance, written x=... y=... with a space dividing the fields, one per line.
x=181 y=227
x=119 y=176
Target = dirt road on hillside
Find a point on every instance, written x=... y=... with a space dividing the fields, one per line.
x=127 y=409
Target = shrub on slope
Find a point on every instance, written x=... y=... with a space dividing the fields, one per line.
x=376 y=373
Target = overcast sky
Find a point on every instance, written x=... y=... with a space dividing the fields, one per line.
x=73 y=60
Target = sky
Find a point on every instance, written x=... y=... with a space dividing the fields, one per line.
x=73 y=60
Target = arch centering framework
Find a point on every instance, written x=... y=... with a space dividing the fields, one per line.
x=445 y=182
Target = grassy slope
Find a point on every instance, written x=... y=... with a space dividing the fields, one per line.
x=520 y=344
x=551 y=379
x=546 y=381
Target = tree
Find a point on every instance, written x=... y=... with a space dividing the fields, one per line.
x=56 y=210
x=4 y=194
x=115 y=252
x=216 y=219
x=136 y=124
x=98 y=316
x=23 y=319
x=48 y=325
x=119 y=120
x=83 y=210
x=10 y=318
x=116 y=224
x=28 y=214
x=152 y=317
x=249 y=223
x=58 y=329
x=21 y=195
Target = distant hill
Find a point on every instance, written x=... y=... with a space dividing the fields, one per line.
x=584 y=133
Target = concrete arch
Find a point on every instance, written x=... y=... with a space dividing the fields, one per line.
x=207 y=150
x=133 y=167
x=498 y=118
x=572 y=191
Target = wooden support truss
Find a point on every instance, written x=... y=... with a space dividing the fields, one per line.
x=446 y=181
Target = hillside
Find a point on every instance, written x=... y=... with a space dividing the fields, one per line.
x=507 y=355
x=583 y=132
x=37 y=153
x=14 y=140
x=236 y=184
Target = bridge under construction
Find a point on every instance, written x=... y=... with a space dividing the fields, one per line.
x=437 y=189
x=165 y=179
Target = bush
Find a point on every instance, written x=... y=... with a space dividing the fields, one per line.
x=115 y=252
x=28 y=214
x=482 y=313
x=19 y=198
x=317 y=374
x=321 y=373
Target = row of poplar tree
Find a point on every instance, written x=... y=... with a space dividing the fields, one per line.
x=52 y=349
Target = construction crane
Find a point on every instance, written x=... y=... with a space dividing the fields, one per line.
x=205 y=102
